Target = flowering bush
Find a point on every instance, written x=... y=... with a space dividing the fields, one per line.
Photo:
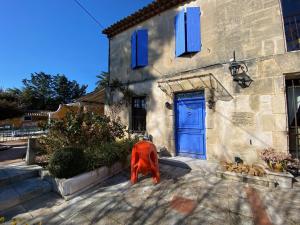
x=277 y=161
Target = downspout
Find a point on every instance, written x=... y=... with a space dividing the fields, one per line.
x=109 y=61
x=282 y=25
x=107 y=89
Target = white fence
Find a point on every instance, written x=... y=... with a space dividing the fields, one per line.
x=20 y=134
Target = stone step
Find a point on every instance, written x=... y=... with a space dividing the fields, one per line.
x=21 y=191
x=10 y=174
x=203 y=166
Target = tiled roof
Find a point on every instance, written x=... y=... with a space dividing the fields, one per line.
x=141 y=15
x=95 y=96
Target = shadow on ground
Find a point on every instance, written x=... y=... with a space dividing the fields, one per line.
x=209 y=200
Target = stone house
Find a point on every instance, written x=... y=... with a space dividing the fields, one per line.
x=91 y=102
x=180 y=83
x=29 y=120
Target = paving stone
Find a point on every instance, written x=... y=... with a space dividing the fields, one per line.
x=123 y=214
x=207 y=217
x=161 y=216
x=237 y=219
x=43 y=205
x=135 y=197
x=293 y=215
x=11 y=213
x=99 y=208
x=4 y=178
x=107 y=221
x=73 y=206
x=116 y=202
x=22 y=218
x=237 y=190
x=205 y=220
x=216 y=202
x=77 y=219
x=52 y=219
x=239 y=206
x=9 y=197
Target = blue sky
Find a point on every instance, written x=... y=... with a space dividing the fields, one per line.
x=56 y=36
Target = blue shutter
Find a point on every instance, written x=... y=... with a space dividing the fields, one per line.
x=180 y=33
x=133 y=50
x=193 y=29
x=142 y=47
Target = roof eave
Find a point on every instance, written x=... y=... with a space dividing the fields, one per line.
x=141 y=15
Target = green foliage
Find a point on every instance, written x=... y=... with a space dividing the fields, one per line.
x=45 y=92
x=9 y=105
x=66 y=91
x=67 y=162
x=82 y=129
x=101 y=138
x=40 y=92
x=103 y=80
x=2 y=219
x=109 y=153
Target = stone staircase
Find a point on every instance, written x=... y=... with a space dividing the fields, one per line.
x=20 y=183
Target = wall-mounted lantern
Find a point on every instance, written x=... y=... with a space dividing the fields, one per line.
x=239 y=72
x=168 y=105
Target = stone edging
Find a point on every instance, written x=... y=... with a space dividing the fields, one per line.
x=272 y=179
x=69 y=188
x=5 y=147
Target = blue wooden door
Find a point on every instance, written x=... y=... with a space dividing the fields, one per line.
x=190 y=124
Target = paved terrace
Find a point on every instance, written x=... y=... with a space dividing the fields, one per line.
x=183 y=197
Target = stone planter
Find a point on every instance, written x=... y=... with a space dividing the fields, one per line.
x=280 y=179
x=68 y=188
x=245 y=178
x=272 y=179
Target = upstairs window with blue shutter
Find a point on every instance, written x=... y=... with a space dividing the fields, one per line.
x=139 y=49
x=187 y=31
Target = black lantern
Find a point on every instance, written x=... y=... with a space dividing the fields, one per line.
x=239 y=72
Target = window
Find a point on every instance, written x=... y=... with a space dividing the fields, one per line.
x=187 y=31
x=139 y=49
x=139 y=114
x=293 y=109
x=291 y=17
x=27 y=118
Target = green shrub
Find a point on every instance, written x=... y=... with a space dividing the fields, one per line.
x=2 y=219
x=67 y=162
x=82 y=129
x=108 y=153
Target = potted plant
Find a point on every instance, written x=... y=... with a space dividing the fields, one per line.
x=278 y=166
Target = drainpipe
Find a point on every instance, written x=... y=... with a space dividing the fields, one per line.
x=107 y=89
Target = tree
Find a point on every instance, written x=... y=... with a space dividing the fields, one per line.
x=103 y=80
x=9 y=105
x=41 y=92
x=66 y=91
x=9 y=110
x=38 y=91
x=45 y=92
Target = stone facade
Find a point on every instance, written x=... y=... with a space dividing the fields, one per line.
x=252 y=118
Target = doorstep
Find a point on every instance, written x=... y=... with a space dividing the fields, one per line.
x=190 y=163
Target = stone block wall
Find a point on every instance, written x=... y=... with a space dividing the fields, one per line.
x=255 y=117
x=253 y=28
